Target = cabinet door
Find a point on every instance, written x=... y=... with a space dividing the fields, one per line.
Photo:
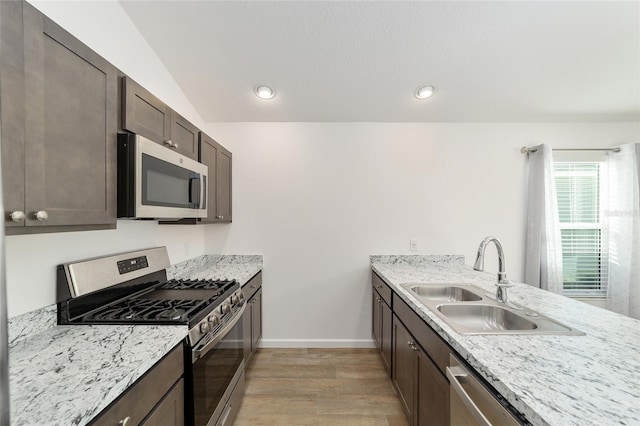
x=218 y=159
x=376 y=320
x=403 y=366
x=12 y=110
x=246 y=331
x=223 y=185
x=184 y=136
x=144 y=114
x=256 y=320
x=432 y=394
x=70 y=127
x=169 y=411
x=209 y=157
x=385 y=334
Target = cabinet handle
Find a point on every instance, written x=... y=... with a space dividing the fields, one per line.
x=220 y=217
x=168 y=142
x=414 y=347
x=378 y=285
x=125 y=421
x=17 y=216
x=409 y=343
x=41 y=215
x=175 y=145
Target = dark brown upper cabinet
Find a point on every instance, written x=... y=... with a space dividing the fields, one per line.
x=148 y=116
x=144 y=114
x=219 y=160
x=184 y=136
x=59 y=125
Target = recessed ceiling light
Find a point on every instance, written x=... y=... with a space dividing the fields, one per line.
x=265 y=92
x=424 y=92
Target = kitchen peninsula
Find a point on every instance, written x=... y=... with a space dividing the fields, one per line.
x=550 y=380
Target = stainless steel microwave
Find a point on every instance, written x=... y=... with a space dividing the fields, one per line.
x=157 y=183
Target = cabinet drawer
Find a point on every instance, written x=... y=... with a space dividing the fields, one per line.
x=381 y=288
x=252 y=286
x=140 y=399
x=437 y=349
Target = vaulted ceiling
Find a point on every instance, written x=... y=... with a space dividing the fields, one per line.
x=362 y=61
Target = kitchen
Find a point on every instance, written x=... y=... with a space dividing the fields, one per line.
x=317 y=195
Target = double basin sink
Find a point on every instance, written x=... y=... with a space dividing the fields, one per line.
x=471 y=310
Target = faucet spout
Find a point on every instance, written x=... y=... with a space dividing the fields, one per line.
x=503 y=283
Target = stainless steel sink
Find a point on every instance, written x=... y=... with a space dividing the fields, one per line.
x=445 y=293
x=472 y=310
x=485 y=318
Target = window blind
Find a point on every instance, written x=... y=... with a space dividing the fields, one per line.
x=578 y=188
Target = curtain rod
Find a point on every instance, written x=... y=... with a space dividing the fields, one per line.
x=527 y=150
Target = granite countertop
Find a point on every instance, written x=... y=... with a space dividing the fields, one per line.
x=66 y=375
x=552 y=380
x=218 y=267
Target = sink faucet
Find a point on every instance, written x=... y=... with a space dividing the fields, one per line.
x=503 y=283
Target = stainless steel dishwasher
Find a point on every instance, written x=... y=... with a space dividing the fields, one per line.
x=471 y=403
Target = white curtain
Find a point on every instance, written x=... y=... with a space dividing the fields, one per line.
x=623 y=226
x=543 y=261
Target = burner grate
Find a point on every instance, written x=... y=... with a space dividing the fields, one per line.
x=196 y=284
x=174 y=301
x=146 y=310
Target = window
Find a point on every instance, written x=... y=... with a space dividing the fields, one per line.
x=581 y=192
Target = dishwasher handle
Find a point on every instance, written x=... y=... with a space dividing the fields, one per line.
x=455 y=373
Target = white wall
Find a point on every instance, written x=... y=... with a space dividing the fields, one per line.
x=31 y=259
x=318 y=199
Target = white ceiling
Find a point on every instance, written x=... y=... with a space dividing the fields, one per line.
x=362 y=61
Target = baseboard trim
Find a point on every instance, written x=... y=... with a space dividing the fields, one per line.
x=315 y=343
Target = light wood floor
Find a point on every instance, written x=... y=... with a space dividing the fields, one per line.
x=308 y=387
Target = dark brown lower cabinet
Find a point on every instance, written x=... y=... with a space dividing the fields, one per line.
x=170 y=410
x=432 y=394
x=157 y=398
x=422 y=388
x=381 y=329
x=252 y=318
x=381 y=320
x=403 y=372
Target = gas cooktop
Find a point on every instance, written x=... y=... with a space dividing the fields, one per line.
x=174 y=301
x=132 y=288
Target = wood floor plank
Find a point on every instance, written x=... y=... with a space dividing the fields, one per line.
x=318 y=387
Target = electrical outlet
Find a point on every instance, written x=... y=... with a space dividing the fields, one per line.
x=413 y=246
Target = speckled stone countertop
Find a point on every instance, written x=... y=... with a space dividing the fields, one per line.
x=552 y=380
x=218 y=267
x=66 y=375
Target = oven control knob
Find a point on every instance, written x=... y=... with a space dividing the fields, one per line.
x=236 y=299
x=225 y=308
x=204 y=327
x=213 y=320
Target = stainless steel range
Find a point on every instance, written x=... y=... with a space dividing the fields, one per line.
x=132 y=288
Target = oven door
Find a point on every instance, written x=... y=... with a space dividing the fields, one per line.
x=215 y=370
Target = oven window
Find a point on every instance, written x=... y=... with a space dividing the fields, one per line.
x=213 y=373
x=165 y=184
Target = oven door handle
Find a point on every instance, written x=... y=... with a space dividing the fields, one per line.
x=200 y=352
